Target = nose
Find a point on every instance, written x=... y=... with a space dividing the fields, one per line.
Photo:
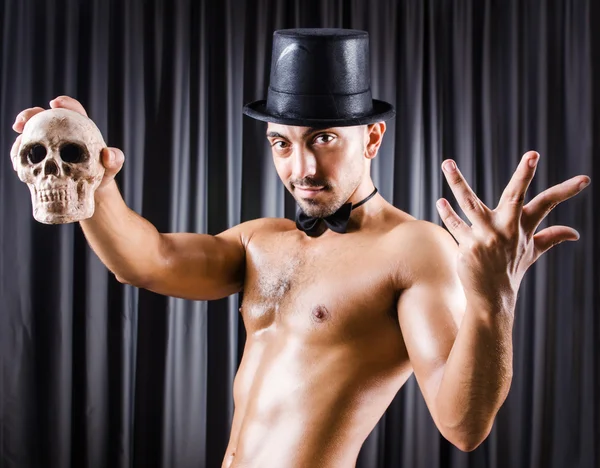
x=304 y=164
x=50 y=167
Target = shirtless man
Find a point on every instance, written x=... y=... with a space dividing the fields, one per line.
x=337 y=322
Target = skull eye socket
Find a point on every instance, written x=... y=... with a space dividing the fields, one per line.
x=72 y=153
x=36 y=154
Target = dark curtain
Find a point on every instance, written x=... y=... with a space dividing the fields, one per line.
x=98 y=374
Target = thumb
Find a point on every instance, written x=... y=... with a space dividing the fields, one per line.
x=112 y=160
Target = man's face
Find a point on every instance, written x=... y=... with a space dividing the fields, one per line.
x=320 y=167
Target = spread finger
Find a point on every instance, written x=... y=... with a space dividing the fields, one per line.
x=539 y=207
x=551 y=236
x=513 y=196
x=474 y=209
x=457 y=227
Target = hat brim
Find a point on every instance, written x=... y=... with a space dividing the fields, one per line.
x=382 y=111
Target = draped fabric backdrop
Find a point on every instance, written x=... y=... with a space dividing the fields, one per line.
x=98 y=374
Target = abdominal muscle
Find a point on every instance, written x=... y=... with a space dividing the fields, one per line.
x=301 y=403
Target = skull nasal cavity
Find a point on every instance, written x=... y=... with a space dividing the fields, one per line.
x=72 y=154
x=51 y=168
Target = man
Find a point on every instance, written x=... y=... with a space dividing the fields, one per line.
x=343 y=305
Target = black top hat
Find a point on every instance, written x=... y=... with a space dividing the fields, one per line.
x=320 y=78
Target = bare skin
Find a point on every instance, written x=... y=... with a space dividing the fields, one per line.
x=324 y=355
x=336 y=324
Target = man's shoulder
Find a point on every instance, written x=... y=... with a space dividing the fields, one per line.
x=246 y=230
x=267 y=225
x=425 y=248
x=405 y=227
x=425 y=232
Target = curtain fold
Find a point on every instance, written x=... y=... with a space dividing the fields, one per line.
x=98 y=374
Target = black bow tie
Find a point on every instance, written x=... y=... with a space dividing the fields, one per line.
x=337 y=222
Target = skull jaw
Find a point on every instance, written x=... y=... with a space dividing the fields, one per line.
x=62 y=205
x=55 y=213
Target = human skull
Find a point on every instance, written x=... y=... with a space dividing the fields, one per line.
x=60 y=160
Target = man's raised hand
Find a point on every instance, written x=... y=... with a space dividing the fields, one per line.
x=501 y=244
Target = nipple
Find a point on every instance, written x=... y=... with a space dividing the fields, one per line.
x=320 y=313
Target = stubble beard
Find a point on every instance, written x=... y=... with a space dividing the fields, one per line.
x=322 y=209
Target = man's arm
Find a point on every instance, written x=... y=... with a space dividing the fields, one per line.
x=465 y=373
x=186 y=265
x=191 y=266
x=461 y=351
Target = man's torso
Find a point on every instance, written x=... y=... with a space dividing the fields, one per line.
x=324 y=353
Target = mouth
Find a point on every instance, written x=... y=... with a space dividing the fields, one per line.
x=52 y=195
x=308 y=192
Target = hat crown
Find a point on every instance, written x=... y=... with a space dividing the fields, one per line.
x=320 y=78
x=320 y=61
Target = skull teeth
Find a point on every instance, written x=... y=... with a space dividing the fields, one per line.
x=52 y=195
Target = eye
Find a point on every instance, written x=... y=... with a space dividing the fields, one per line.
x=279 y=144
x=36 y=154
x=324 y=138
x=72 y=153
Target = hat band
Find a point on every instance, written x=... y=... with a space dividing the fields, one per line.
x=319 y=106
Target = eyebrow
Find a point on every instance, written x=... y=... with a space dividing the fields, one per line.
x=304 y=135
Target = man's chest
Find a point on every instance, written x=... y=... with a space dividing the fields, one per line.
x=324 y=289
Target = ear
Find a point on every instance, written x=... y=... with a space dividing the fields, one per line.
x=374 y=138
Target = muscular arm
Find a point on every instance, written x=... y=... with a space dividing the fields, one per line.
x=186 y=265
x=191 y=266
x=461 y=352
